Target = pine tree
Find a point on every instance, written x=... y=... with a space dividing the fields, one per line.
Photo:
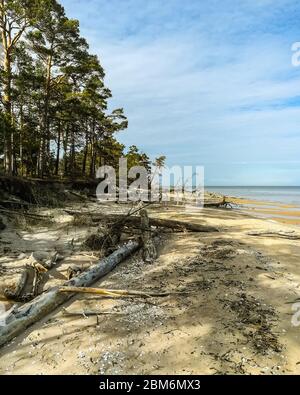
x=15 y=17
x=54 y=118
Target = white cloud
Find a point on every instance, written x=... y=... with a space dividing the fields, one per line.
x=210 y=83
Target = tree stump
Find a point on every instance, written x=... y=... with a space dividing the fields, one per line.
x=149 y=249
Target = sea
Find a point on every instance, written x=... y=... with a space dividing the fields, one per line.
x=286 y=195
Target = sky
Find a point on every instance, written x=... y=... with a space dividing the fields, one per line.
x=205 y=82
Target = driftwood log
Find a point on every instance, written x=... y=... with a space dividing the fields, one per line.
x=179 y=226
x=31 y=278
x=22 y=317
x=218 y=203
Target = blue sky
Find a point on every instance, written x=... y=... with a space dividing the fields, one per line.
x=204 y=82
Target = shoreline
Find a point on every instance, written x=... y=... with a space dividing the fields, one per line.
x=279 y=212
x=287 y=215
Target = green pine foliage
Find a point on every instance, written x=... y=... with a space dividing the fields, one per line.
x=54 y=118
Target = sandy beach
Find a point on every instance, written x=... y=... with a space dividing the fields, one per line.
x=234 y=314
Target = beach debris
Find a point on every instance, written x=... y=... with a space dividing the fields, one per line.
x=106 y=239
x=111 y=361
x=218 y=203
x=176 y=226
x=33 y=273
x=255 y=321
x=28 y=286
x=220 y=249
x=108 y=236
x=45 y=259
x=31 y=312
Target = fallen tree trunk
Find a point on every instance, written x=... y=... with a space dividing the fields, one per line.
x=22 y=317
x=136 y=221
x=180 y=225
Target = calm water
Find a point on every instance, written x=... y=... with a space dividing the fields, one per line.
x=290 y=195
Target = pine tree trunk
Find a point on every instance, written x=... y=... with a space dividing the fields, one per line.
x=72 y=153
x=58 y=149
x=85 y=155
x=66 y=140
x=7 y=102
x=45 y=159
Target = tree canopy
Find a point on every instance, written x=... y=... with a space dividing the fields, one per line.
x=54 y=118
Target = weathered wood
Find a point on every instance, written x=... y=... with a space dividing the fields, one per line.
x=22 y=317
x=17 y=292
x=157 y=222
x=149 y=249
x=180 y=225
x=36 y=282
